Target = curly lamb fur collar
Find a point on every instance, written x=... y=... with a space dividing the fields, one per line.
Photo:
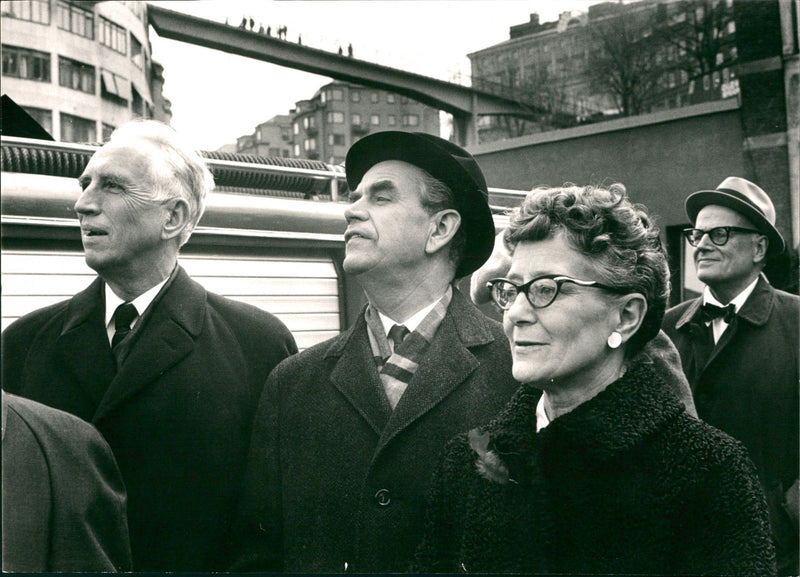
x=615 y=420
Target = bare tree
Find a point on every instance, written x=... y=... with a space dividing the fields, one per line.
x=700 y=32
x=626 y=62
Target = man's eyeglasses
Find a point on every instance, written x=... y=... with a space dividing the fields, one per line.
x=540 y=292
x=719 y=235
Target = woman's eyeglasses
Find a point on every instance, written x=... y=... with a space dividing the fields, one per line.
x=719 y=235
x=540 y=292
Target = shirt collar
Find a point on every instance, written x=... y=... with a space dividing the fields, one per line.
x=737 y=301
x=412 y=322
x=141 y=302
x=423 y=320
x=541 y=416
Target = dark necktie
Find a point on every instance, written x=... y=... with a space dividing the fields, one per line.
x=398 y=333
x=123 y=317
x=709 y=312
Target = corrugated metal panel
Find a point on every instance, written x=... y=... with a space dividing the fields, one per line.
x=303 y=293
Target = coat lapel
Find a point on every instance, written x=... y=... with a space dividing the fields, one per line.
x=356 y=376
x=83 y=343
x=166 y=335
x=446 y=365
x=755 y=310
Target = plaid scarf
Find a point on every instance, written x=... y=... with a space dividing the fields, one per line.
x=396 y=369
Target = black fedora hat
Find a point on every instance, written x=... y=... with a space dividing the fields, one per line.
x=446 y=162
x=748 y=200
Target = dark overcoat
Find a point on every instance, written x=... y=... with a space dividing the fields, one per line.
x=336 y=480
x=749 y=386
x=626 y=483
x=63 y=496
x=177 y=414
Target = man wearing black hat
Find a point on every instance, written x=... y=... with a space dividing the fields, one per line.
x=739 y=343
x=348 y=432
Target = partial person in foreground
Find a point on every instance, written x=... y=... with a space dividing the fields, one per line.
x=739 y=344
x=594 y=466
x=169 y=373
x=349 y=431
x=63 y=496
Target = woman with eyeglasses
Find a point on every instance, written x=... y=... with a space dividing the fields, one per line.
x=594 y=466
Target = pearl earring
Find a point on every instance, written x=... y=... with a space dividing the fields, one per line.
x=614 y=340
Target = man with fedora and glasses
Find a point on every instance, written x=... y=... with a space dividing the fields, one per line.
x=349 y=432
x=739 y=343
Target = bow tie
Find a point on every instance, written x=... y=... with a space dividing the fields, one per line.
x=709 y=312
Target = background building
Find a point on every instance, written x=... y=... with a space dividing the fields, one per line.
x=81 y=68
x=326 y=125
x=270 y=138
x=617 y=59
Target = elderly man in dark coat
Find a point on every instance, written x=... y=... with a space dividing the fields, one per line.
x=739 y=344
x=349 y=431
x=63 y=496
x=171 y=377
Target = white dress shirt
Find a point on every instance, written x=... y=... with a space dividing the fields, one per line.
x=141 y=303
x=719 y=325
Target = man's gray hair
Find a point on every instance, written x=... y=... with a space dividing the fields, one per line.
x=182 y=172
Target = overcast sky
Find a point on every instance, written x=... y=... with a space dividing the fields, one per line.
x=217 y=97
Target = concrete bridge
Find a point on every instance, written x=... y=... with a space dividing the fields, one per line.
x=464 y=103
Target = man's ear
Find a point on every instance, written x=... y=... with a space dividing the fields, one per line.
x=177 y=218
x=632 y=310
x=444 y=225
x=760 y=247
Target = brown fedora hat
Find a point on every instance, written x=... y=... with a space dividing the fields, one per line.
x=745 y=198
x=445 y=162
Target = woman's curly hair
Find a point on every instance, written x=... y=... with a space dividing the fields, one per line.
x=618 y=236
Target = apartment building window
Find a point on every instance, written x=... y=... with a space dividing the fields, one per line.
x=297 y=150
x=137 y=52
x=75 y=19
x=355 y=96
x=338 y=139
x=137 y=103
x=355 y=119
x=309 y=122
x=706 y=82
x=26 y=64
x=374 y=97
x=113 y=86
x=296 y=128
x=410 y=120
x=76 y=75
x=41 y=115
x=391 y=120
x=31 y=10
x=337 y=94
x=390 y=98
x=310 y=144
x=113 y=36
x=77 y=129
x=335 y=117
x=375 y=120
x=107 y=130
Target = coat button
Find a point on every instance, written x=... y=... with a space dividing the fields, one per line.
x=382 y=497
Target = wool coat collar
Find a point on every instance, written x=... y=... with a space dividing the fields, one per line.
x=447 y=364
x=756 y=309
x=165 y=335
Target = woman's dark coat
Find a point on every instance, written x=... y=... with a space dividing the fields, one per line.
x=625 y=483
